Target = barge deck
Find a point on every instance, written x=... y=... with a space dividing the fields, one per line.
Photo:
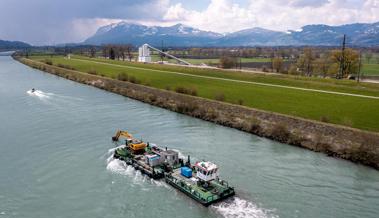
x=200 y=181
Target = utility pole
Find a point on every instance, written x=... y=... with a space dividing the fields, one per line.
x=162 y=54
x=239 y=58
x=342 y=62
x=360 y=66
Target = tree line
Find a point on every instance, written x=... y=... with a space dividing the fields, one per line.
x=118 y=52
x=311 y=62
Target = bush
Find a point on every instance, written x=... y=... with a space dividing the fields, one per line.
x=187 y=91
x=324 y=119
x=48 y=61
x=123 y=77
x=93 y=72
x=66 y=66
x=347 y=122
x=264 y=69
x=227 y=62
x=295 y=138
x=254 y=126
x=220 y=96
x=293 y=70
x=193 y=91
x=186 y=107
x=134 y=80
x=240 y=102
x=280 y=132
x=152 y=98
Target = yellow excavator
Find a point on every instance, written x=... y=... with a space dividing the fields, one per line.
x=137 y=146
x=120 y=133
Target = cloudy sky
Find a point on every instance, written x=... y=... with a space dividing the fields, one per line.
x=58 y=21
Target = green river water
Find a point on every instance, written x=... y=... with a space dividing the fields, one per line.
x=55 y=148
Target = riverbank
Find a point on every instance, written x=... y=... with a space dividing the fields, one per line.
x=340 y=102
x=348 y=143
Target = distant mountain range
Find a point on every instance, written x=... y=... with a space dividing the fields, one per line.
x=358 y=34
x=5 y=45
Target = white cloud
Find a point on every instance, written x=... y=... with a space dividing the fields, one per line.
x=224 y=16
x=56 y=21
x=220 y=15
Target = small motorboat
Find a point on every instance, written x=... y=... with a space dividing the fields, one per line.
x=33 y=90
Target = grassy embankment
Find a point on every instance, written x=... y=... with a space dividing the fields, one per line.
x=357 y=112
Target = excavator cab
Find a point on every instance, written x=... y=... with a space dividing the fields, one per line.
x=136 y=146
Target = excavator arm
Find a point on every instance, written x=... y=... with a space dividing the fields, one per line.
x=123 y=134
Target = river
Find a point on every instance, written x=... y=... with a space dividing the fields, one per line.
x=55 y=146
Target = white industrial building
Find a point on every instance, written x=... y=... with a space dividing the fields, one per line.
x=144 y=53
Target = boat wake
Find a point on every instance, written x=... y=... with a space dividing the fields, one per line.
x=40 y=94
x=53 y=98
x=120 y=167
x=240 y=208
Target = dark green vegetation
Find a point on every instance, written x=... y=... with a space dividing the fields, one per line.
x=358 y=112
x=12 y=45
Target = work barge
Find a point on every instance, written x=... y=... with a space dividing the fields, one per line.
x=200 y=180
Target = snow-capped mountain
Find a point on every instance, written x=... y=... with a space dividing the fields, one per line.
x=255 y=36
x=182 y=35
x=357 y=34
x=177 y=35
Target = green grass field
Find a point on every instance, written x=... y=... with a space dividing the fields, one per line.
x=370 y=69
x=210 y=61
x=358 y=112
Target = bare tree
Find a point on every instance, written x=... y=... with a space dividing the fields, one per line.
x=129 y=52
x=350 y=60
x=112 y=54
x=308 y=61
x=277 y=64
x=104 y=51
x=227 y=62
x=323 y=64
x=92 y=52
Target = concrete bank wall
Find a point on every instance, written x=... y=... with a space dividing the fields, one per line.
x=352 y=144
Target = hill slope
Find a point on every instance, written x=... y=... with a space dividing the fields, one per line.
x=12 y=45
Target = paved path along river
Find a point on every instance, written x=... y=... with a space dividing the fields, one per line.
x=54 y=160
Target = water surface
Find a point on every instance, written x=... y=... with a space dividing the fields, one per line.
x=55 y=147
